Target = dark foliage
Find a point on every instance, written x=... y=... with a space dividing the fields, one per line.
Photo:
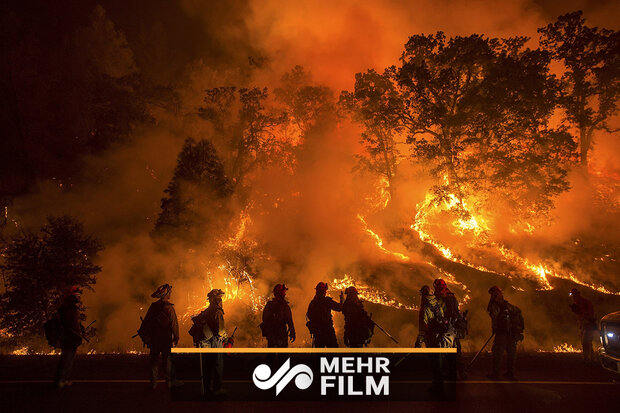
x=590 y=87
x=246 y=126
x=478 y=110
x=38 y=268
x=198 y=193
x=377 y=104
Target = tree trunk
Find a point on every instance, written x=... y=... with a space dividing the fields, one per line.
x=585 y=142
x=388 y=164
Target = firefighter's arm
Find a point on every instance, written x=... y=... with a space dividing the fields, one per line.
x=588 y=310
x=175 y=326
x=73 y=320
x=266 y=314
x=494 y=313
x=423 y=328
x=76 y=325
x=149 y=314
x=335 y=306
x=221 y=330
x=289 y=322
x=427 y=315
x=365 y=316
x=420 y=339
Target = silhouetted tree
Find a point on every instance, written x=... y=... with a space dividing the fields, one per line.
x=38 y=268
x=376 y=103
x=240 y=118
x=591 y=79
x=305 y=102
x=196 y=197
x=478 y=108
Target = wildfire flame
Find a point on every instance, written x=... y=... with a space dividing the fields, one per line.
x=379 y=241
x=237 y=283
x=234 y=291
x=22 y=351
x=25 y=351
x=478 y=227
x=370 y=294
x=565 y=348
x=562 y=348
x=244 y=222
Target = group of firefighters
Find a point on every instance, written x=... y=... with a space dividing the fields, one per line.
x=441 y=325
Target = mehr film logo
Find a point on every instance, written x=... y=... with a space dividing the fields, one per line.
x=336 y=375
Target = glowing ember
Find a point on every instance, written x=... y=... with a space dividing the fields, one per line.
x=25 y=351
x=93 y=352
x=21 y=351
x=565 y=348
x=5 y=333
x=562 y=348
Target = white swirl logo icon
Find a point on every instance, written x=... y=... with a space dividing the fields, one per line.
x=264 y=380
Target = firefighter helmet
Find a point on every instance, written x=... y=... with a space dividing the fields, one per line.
x=162 y=291
x=279 y=289
x=439 y=284
x=321 y=286
x=495 y=290
x=215 y=293
x=350 y=290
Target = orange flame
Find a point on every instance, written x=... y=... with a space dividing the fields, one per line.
x=379 y=241
x=370 y=294
x=478 y=227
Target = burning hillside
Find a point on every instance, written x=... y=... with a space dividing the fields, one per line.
x=391 y=158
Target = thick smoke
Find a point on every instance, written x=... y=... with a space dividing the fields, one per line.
x=307 y=223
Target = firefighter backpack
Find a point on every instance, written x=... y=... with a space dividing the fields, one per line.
x=200 y=330
x=53 y=330
x=517 y=324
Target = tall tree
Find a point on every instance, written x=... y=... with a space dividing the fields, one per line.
x=39 y=267
x=591 y=78
x=306 y=103
x=196 y=197
x=376 y=103
x=242 y=121
x=478 y=108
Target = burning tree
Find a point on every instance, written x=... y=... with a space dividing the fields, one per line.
x=38 y=268
x=590 y=86
x=478 y=109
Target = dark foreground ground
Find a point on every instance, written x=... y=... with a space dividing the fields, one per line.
x=117 y=383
